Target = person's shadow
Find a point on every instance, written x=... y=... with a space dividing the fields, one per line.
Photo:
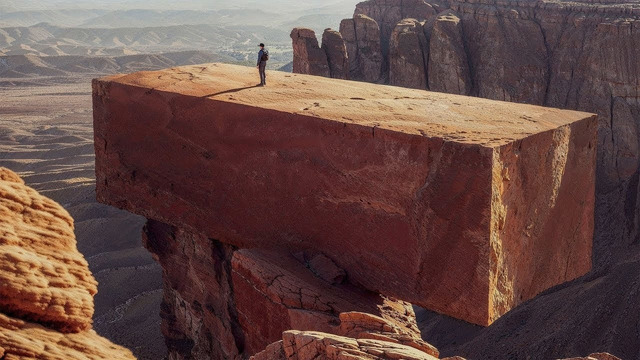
x=231 y=91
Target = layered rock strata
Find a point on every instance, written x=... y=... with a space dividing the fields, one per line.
x=46 y=288
x=465 y=206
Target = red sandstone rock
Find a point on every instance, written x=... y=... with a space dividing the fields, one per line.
x=44 y=278
x=325 y=268
x=334 y=46
x=298 y=345
x=408 y=55
x=308 y=57
x=388 y=13
x=475 y=205
x=224 y=303
x=23 y=340
x=560 y=54
x=448 y=63
x=46 y=288
x=362 y=38
x=596 y=356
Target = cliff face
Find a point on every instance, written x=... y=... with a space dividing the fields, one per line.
x=46 y=292
x=574 y=55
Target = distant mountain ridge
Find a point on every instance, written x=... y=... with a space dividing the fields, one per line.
x=25 y=66
x=236 y=42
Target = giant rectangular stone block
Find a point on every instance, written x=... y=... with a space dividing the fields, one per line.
x=462 y=205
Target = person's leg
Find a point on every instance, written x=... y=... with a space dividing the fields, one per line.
x=263 y=73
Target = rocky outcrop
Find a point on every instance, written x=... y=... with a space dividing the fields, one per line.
x=338 y=61
x=309 y=58
x=408 y=55
x=362 y=39
x=596 y=356
x=252 y=296
x=337 y=177
x=449 y=70
x=247 y=298
x=309 y=345
x=46 y=292
x=45 y=279
x=388 y=13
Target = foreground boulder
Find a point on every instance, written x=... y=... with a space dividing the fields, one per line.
x=309 y=345
x=464 y=206
x=46 y=288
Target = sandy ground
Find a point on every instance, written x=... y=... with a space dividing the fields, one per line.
x=46 y=136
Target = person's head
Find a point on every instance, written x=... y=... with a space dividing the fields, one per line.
x=261 y=46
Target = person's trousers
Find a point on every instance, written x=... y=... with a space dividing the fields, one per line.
x=263 y=73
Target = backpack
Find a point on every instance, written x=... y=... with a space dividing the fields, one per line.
x=265 y=55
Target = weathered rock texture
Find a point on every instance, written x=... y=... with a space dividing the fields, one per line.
x=425 y=197
x=310 y=345
x=46 y=288
x=449 y=69
x=596 y=356
x=408 y=58
x=310 y=59
x=334 y=46
x=224 y=303
x=44 y=278
x=362 y=39
x=576 y=55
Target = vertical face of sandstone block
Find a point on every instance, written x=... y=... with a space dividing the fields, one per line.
x=402 y=189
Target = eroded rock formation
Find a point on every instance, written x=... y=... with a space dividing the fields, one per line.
x=435 y=208
x=449 y=69
x=46 y=288
x=309 y=345
x=334 y=46
x=312 y=59
x=408 y=55
x=362 y=39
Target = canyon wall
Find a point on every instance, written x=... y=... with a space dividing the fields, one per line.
x=46 y=288
x=574 y=55
x=295 y=206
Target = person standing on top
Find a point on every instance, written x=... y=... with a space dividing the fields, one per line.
x=263 y=57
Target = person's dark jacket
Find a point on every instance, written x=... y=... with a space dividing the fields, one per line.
x=262 y=52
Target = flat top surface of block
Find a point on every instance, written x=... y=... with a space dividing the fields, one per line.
x=451 y=117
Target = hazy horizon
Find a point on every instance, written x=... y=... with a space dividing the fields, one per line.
x=290 y=6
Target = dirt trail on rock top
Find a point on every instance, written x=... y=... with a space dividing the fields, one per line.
x=46 y=136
